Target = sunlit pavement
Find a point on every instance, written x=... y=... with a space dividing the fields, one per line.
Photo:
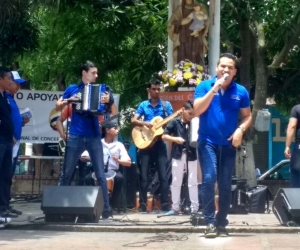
x=44 y=240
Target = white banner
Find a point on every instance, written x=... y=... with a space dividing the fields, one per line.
x=41 y=127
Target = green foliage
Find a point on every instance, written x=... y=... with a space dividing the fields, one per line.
x=18 y=32
x=126 y=41
x=274 y=24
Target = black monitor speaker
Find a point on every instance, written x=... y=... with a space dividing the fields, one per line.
x=72 y=204
x=286 y=206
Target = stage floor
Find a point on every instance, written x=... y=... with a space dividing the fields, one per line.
x=133 y=221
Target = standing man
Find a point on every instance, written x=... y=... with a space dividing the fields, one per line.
x=62 y=129
x=6 y=145
x=294 y=126
x=18 y=120
x=84 y=134
x=150 y=109
x=219 y=102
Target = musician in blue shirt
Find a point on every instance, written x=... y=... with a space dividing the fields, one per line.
x=84 y=134
x=150 y=109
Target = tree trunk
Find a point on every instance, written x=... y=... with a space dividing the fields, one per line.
x=61 y=83
x=245 y=166
x=261 y=79
x=245 y=54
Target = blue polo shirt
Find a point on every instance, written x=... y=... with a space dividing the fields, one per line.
x=16 y=116
x=82 y=125
x=220 y=119
x=149 y=112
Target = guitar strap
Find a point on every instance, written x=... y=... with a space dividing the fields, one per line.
x=164 y=104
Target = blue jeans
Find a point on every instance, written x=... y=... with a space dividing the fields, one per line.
x=5 y=172
x=75 y=147
x=217 y=164
x=295 y=166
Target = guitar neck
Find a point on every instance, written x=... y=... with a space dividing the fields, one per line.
x=166 y=120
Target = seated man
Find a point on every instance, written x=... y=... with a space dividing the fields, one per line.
x=115 y=154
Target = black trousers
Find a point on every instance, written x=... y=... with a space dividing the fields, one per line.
x=158 y=154
x=118 y=184
x=5 y=172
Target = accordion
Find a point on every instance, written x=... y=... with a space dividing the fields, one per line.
x=89 y=99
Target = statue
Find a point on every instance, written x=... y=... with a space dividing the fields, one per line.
x=187 y=28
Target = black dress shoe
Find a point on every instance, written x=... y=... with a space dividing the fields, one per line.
x=142 y=209
x=14 y=211
x=8 y=214
x=105 y=214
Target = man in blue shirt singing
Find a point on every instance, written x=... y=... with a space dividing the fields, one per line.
x=150 y=109
x=218 y=103
x=84 y=134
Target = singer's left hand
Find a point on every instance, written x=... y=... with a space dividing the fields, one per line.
x=236 y=138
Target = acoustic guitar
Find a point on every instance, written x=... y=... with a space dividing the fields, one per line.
x=144 y=137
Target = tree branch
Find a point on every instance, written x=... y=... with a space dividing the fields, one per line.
x=285 y=50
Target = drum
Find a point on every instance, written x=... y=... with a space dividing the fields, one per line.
x=110 y=176
x=194 y=132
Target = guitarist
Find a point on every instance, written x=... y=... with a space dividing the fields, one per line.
x=150 y=109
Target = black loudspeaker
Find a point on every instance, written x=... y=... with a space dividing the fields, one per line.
x=286 y=206
x=72 y=204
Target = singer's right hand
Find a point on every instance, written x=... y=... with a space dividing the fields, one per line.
x=219 y=82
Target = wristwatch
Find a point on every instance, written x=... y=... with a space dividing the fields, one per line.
x=242 y=128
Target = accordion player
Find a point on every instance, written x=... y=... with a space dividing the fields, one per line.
x=89 y=99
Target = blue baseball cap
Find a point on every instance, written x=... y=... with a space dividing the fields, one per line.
x=15 y=76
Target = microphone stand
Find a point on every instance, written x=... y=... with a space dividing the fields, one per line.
x=66 y=149
x=67 y=138
x=187 y=209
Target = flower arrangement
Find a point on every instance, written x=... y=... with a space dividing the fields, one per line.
x=185 y=74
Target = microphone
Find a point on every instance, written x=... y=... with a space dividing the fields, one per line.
x=225 y=77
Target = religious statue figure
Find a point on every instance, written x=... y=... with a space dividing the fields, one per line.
x=187 y=28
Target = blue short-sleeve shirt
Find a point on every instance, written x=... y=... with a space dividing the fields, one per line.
x=82 y=125
x=220 y=119
x=149 y=112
